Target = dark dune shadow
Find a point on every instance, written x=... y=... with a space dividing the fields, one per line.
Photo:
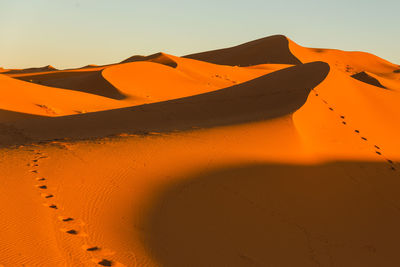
x=364 y=77
x=336 y=214
x=9 y=116
x=270 y=96
x=10 y=135
x=91 y=82
x=272 y=49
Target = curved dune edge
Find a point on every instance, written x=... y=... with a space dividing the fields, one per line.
x=159 y=58
x=273 y=95
x=190 y=77
x=86 y=81
x=349 y=62
x=35 y=99
x=272 y=50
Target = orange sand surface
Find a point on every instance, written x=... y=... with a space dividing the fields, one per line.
x=263 y=154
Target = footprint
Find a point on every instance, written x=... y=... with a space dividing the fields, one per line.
x=52 y=206
x=35 y=160
x=42 y=186
x=88 y=248
x=324 y=101
x=391 y=162
x=393 y=168
x=105 y=262
x=65 y=219
x=34 y=171
x=40 y=179
x=72 y=232
x=331 y=109
x=357 y=131
x=363 y=138
x=342 y=117
x=47 y=195
x=377 y=147
x=344 y=122
x=377 y=152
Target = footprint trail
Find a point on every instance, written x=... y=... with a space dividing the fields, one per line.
x=69 y=230
x=377 y=149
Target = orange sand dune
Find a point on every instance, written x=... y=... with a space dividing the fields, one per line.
x=30 y=98
x=273 y=95
x=132 y=82
x=273 y=49
x=160 y=58
x=189 y=77
x=196 y=161
x=91 y=82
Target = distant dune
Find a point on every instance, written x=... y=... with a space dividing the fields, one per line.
x=31 y=70
x=262 y=154
x=272 y=50
x=160 y=58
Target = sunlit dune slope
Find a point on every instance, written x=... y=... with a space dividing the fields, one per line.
x=189 y=77
x=134 y=82
x=363 y=111
x=30 y=98
x=351 y=63
x=88 y=80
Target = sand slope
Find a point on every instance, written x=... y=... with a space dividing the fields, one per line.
x=273 y=95
x=203 y=164
x=273 y=49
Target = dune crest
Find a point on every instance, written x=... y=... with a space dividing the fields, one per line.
x=272 y=50
x=88 y=81
x=273 y=95
x=160 y=58
x=31 y=70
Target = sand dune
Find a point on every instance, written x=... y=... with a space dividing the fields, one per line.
x=272 y=50
x=31 y=70
x=277 y=94
x=91 y=82
x=195 y=161
x=30 y=98
x=160 y=58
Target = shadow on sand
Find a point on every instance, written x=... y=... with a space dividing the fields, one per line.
x=91 y=82
x=334 y=214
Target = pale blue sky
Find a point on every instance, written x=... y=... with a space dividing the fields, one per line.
x=73 y=33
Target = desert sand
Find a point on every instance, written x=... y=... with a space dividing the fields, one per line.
x=263 y=154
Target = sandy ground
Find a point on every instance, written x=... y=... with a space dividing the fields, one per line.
x=263 y=154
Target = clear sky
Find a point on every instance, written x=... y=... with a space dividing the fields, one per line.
x=73 y=33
